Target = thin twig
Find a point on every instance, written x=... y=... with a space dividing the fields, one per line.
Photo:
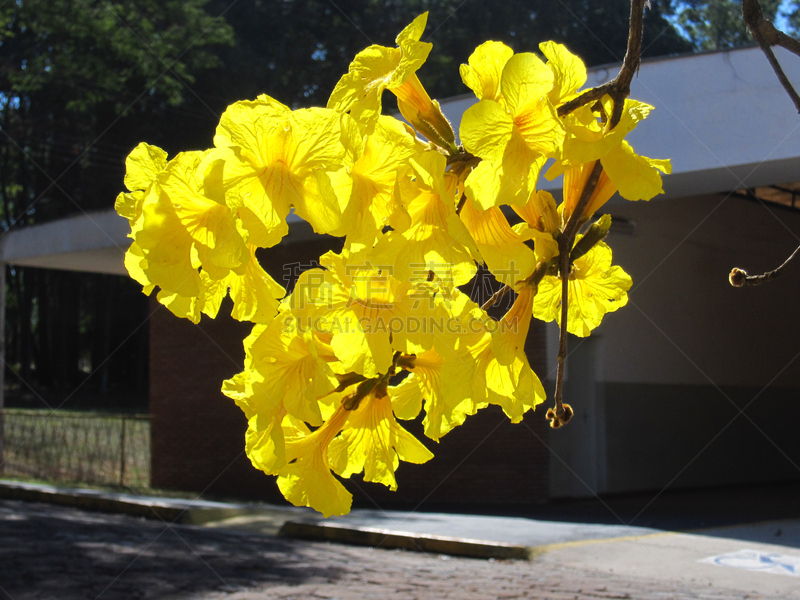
x=586 y=97
x=766 y=34
x=461 y=202
x=619 y=89
x=495 y=297
x=740 y=278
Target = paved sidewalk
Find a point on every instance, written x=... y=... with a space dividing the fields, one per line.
x=50 y=552
x=567 y=559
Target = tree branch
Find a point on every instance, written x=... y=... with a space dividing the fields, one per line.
x=766 y=34
x=495 y=297
x=740 y=278
x=619 y=89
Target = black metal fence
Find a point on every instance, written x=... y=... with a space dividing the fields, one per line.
x=76 y=447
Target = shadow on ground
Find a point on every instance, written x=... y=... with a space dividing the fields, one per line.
x=55 y=552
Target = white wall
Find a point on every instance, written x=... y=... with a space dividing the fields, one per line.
x=684 y=322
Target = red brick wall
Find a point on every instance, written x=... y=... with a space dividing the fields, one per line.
x=198 y=434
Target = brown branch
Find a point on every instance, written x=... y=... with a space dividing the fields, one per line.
x=461 y=202
x=495 y=297
x=619 y=89
x=777 y=38
x=740 y=278
x=348 y=379
x=766 y=34
x=586 y=97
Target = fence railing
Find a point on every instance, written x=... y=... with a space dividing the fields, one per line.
x=77 y=447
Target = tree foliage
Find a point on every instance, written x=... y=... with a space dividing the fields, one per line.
x=77 y=79
x=718 y=24
x=296 y=49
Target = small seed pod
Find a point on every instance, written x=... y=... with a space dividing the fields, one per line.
x=558 y=421
x=738 y=277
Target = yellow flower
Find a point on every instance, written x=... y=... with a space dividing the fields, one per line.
x=635 y=177
x=306 y=479
x=283 y=374
x=502 y=247
x=574 y=184
x=369 y=313
x=273 y=159
x=569 y=72
x=208 y=220
x=379 y=68
x=142 y=166
x=425 y=383
x=595 y=288
x=485 y=363
x=540 y=212
x=513 y=135
x=482 y=74
x=436 y=240
x=374 y=442
x=368 y=187
x=182 y=229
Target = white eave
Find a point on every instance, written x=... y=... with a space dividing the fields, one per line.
x=722 y=118
x=91 y=242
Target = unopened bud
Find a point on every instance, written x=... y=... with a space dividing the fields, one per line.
x=561 y=419
x=738 y=277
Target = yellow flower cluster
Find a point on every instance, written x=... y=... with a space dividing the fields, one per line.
x=321 y=386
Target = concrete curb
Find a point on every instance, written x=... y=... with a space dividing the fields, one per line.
x=382 y=538
x=257 y=519
x=192 y=512
x=90 y=500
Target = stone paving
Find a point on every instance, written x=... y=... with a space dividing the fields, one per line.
x=56 y=553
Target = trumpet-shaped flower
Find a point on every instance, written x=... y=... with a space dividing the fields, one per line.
x=306 y=479
x=368 y=187
x=208 y=220
x=425 y=383
x=285 y=373
x=595 y=288
x=368 y=312
x=484 y=70
x=180 y=230
x=486 y=363
x=635 y=177
x=502 y=247
x=142 y=167
x=513 y=134
x=540 y=212
x=436 y=241
x=379 y=68
x=273 y=159
x=255 y=295
x=569 y=72
x=374 y=442
x=575 y=182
